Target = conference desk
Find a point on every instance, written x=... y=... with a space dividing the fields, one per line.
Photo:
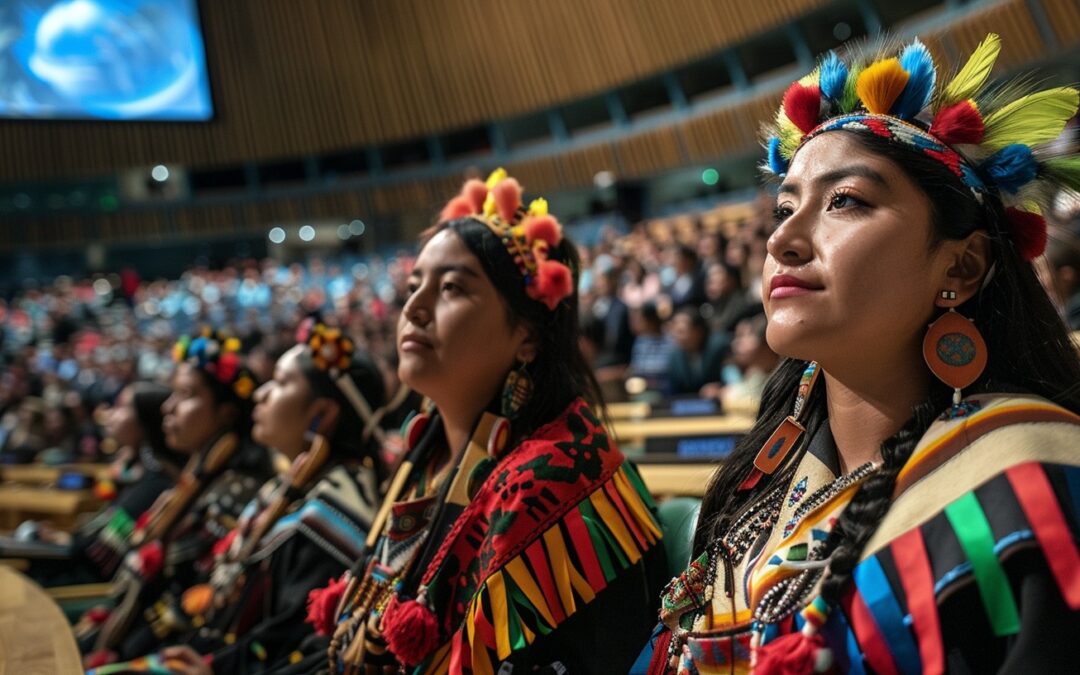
x=35 y=638
x=636 y=430
x=45 y=474
x=677 y=480
x=62 y=507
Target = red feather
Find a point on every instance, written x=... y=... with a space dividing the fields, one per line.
x=802 y=105
x=507 y=198
x=544 y=228
x=1028 y=232
x=458 y=207
x=958 y=123
x=476 y=192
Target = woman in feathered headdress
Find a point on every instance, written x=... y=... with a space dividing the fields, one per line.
x=515 y=525
x=207 y=419
x=321 y=413
x=907 y=499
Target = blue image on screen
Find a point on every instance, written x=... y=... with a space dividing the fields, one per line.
x=103 y=59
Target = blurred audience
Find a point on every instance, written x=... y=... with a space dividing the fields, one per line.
x=670 y=301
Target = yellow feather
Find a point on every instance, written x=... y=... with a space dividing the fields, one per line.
x=880 y=84
x=1034 y=119
x=495 y=177
x=789 y=134
x=973 y=75
x=814 y=77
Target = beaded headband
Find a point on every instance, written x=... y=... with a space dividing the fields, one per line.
x=219 y=357
x=527 y=234
x=993 y=139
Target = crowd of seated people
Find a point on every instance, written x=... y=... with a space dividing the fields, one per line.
x=661 y=305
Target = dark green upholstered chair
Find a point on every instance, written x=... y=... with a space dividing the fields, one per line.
x=678 y=518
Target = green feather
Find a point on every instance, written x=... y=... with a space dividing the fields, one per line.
x=1033 y=119
x=1063 y=170
x=850 y=99
x=973 y=75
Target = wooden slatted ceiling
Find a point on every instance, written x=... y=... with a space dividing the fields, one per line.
x=291 y=78
x=1012 y=21
x=1064 y=16
x=705 y=138
x=649 y=152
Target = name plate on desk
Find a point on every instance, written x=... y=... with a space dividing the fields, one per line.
x=691 y=407
x=692 y=448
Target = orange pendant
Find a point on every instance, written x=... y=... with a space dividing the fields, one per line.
x=955 y=350
x=779 y=445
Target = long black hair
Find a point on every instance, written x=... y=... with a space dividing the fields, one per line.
x=347 y=439
x=147 y=399
x=560 y=372
x=1028 y=352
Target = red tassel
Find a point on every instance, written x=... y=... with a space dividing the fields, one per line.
x=751 y=480
x=411 y=630
x=96 y=615
x=228 y=364
x=553 y=283
x=476 y=192
x=507 y=194
x=1028 y=232
x=794 y=654
x=802 y=105
x=102 y=657
x=150 y=559
x=458 y=207
x=322 y=606
x=222 y=545
x=544 y=228
x=959 y=123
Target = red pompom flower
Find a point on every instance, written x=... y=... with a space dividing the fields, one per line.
x=322 y=606
x=1028 y=232
x=411 y=630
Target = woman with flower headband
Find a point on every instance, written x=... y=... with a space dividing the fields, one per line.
x=907 y=500
x=321 y=412
x=207 y=417
x=514 y=527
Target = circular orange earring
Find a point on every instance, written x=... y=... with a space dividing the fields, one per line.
x=955 y=350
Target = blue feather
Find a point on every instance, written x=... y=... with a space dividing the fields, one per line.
x=832 y=77
x=919 y=64
x=777 y=164
x=1011 y=167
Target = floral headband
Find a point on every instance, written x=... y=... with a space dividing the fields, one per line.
x=993 y=139
x=332 y=353
x=331 y=350
x=527 y=234
x=219 y=357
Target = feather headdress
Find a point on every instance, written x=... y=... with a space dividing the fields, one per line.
x=528 y=234
x=989 y=138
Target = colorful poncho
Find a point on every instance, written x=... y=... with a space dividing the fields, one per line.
x=974 y=567
x=557 y=520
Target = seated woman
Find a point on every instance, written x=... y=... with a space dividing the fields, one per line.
x=876 y=519
x=95 y=550
x=321 y=412
x=518 y=534
x=206 y=417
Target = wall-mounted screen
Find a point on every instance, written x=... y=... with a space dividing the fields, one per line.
x=103 y=59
